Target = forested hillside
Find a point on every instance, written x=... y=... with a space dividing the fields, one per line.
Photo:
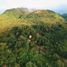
x=64 y=16
x=32 y=39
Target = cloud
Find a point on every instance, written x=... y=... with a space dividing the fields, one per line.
x=40 y=4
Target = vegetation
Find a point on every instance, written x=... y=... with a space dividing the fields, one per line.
x=64 y=16
x=36 y=39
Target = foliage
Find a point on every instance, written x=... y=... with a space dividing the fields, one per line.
x=32 y=41
x=44 y=48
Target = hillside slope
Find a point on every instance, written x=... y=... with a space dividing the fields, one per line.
x=32 y=39
x=19 y=16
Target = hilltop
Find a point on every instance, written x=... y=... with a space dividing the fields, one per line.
x=47 y=16
x=16 y=12
x=20 y=16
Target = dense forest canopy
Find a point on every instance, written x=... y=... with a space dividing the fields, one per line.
x=32 y=39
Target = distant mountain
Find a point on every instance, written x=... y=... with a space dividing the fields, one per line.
x=64 y=16
x=61 y=9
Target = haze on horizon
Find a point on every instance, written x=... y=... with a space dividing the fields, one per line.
x=56 y=5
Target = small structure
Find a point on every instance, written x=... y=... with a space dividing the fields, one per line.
x=30 y=36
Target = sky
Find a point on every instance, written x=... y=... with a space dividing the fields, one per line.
x=35 y=4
